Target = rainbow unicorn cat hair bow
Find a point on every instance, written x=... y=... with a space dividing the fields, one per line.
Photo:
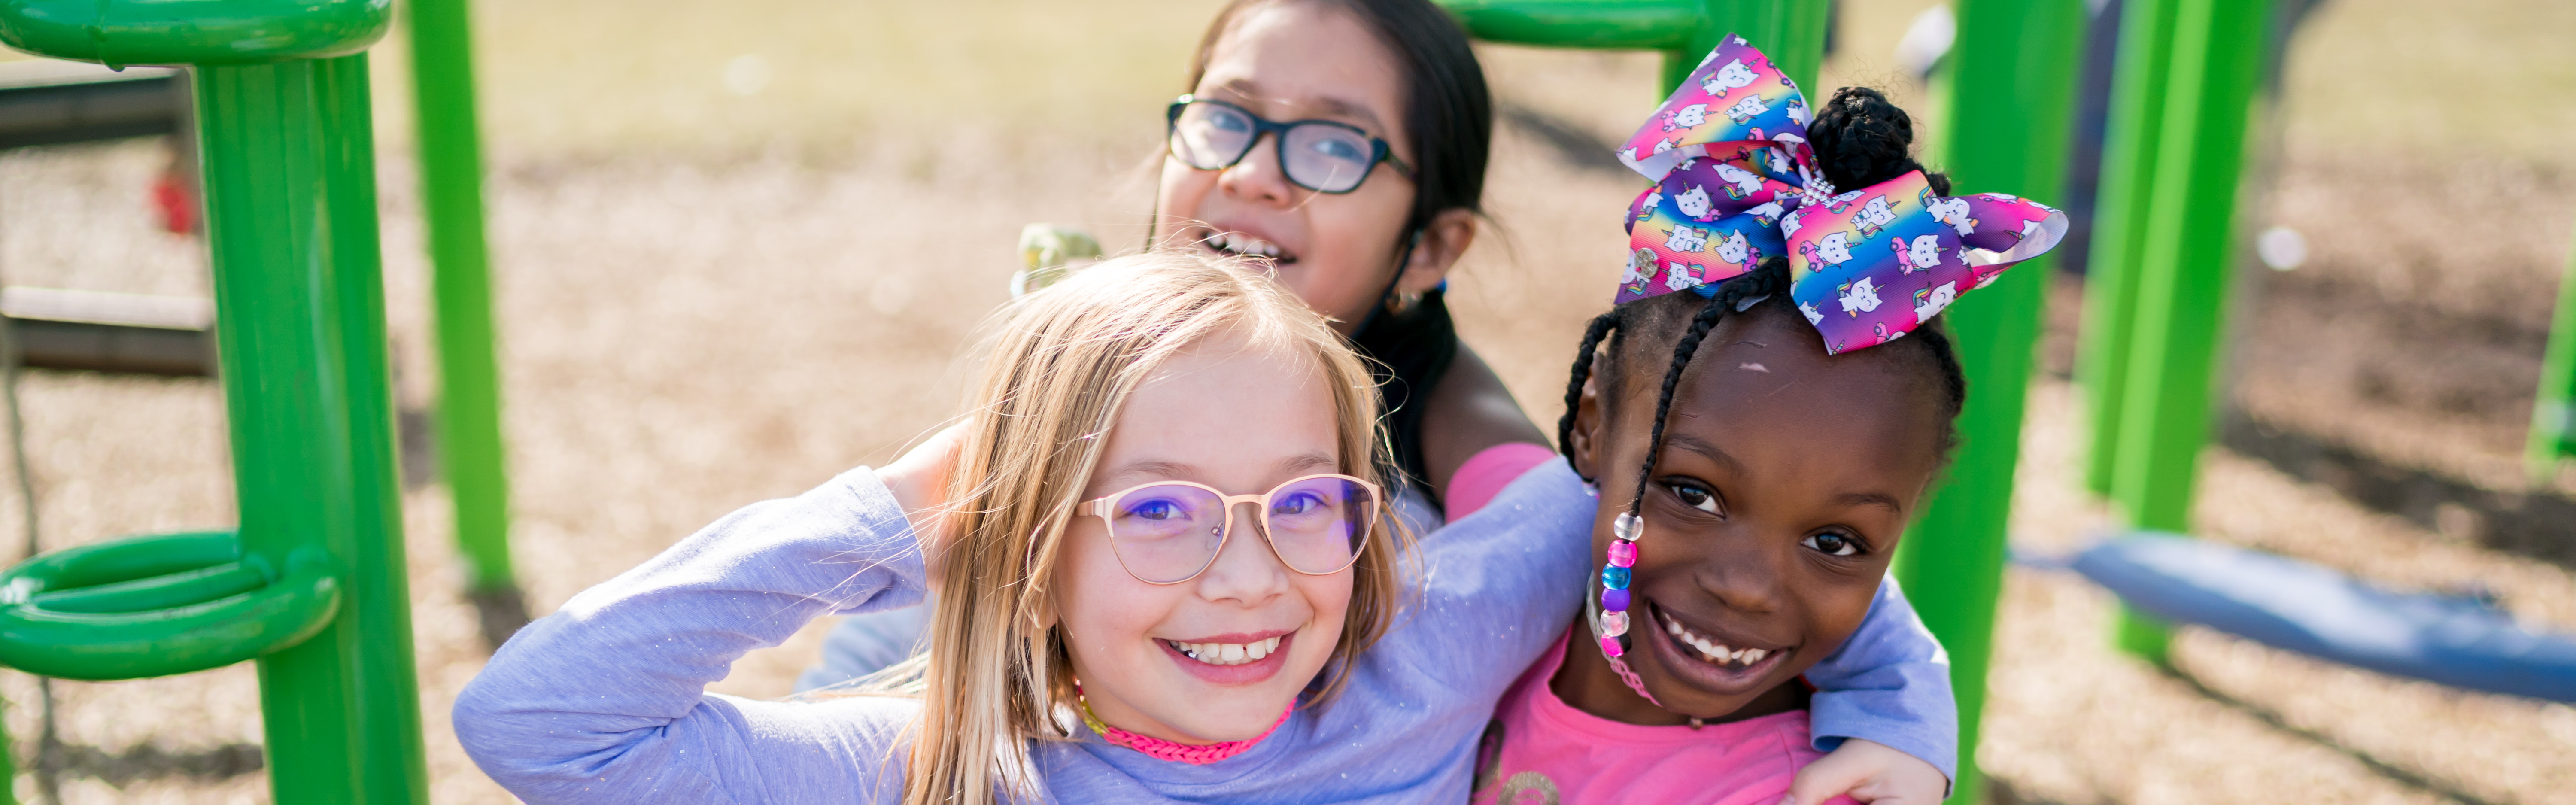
x=1736 y=182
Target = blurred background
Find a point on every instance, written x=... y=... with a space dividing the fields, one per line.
x=739 y=247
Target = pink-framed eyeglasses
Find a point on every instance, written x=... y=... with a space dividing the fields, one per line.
x=1168 y=532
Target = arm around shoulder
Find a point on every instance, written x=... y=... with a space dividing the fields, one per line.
x=1890 y=684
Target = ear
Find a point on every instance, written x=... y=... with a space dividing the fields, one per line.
x=1444 y=240
x=1583 y=445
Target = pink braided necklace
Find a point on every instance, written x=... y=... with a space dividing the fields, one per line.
x=1160 y=749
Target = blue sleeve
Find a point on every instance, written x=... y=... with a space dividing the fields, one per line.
x=1889 y=683
x=604 y=700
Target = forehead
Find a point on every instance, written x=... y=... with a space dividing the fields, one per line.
x=1295 y=60
x=1762 y=388
x=1229 y=413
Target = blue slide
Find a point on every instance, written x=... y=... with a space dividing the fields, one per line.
x=2293 y=605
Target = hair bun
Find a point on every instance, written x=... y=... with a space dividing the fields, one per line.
x=1861 y=138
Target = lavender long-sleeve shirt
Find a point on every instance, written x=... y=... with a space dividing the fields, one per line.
x=604 y=700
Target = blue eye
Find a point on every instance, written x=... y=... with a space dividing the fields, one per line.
x=1156 y=509
x=1299 y=503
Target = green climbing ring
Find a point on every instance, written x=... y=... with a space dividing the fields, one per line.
x=159 y=605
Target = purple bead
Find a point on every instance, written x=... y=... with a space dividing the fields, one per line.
x=1623 y=554
x=1614 y=624
x=1614 y=600
x=1610 y=647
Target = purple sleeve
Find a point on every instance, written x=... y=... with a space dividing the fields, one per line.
x=604 y=700
x=1889 y=683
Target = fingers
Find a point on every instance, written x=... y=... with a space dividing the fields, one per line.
x=919 y=480
x=1836 y=774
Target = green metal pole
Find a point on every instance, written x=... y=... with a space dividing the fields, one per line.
x=1792 y=32
x=2553 y=417
x=2190 y=245
x=2011 y=108
x=469 y=404
x=8 y=769
x=2119 y=225
x=291 y=214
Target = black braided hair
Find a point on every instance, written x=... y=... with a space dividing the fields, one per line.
x=1601 y=326
x=1860 y=139
x=1771 y=279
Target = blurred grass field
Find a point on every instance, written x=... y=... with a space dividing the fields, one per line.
x=740 y=247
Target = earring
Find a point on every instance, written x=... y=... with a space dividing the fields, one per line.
x=1403 y=302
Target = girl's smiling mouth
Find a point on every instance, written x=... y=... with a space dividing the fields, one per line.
x=1725 y=666
x=1231 y=659
x=1241 y=244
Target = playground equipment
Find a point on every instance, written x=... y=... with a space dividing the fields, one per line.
x=2164 y=249
x=2553 y=414
x=2456 y=640
x=311 y=584
x=469 y=394
x=2010 y=100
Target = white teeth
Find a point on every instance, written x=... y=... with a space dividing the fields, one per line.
x=1239 y=243
x=1714 y=652
x=1228 y=653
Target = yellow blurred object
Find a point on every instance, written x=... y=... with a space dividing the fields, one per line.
x=1047 y=254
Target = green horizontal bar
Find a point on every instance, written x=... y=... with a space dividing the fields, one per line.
x=159 y=592
x=123 y=32
x=1599 y=24
x=117 y=561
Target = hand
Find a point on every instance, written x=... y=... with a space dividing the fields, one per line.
x=1869 y=772
x=919 y=481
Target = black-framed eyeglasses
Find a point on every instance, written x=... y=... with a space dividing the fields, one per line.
x=1321 y=155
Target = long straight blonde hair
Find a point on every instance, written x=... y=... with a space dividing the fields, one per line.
x=1060 y=369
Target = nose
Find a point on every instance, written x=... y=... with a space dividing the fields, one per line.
x=1746 y=576
x=1258 y=177
x=1245 y=572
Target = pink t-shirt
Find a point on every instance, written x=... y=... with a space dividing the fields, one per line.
x=1553 y=754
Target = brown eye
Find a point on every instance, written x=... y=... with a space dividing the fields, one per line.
x=1833 y=544
x=1694 y=495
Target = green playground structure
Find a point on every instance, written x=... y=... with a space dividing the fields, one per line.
x=2553 y=414
x=469 y=403
x=2162 y=259
x=311 y=584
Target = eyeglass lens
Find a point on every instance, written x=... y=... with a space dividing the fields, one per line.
x=1169 y=532
x=1317 y=155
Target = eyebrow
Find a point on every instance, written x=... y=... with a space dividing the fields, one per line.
x=1879 y=499
x=1706 y=450
x=1328 y=105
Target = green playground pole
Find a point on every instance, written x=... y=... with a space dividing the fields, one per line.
x=314 y=584
x=2119 y=225
x=2553 y=414
x=2190 y=245
x=469 y=399
x=1791 y=32
x=2011 y=107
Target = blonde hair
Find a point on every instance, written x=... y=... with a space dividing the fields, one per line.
x=1061 y=368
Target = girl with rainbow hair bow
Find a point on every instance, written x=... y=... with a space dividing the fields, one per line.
x=1753 y=495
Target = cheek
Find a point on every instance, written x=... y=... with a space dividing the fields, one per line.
x=1183 y=190
x=1104 y=611
x=1329 y=599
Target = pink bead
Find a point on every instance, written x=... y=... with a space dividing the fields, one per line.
x=1623 y=554
x=1610 y=647
x=1614 y=624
